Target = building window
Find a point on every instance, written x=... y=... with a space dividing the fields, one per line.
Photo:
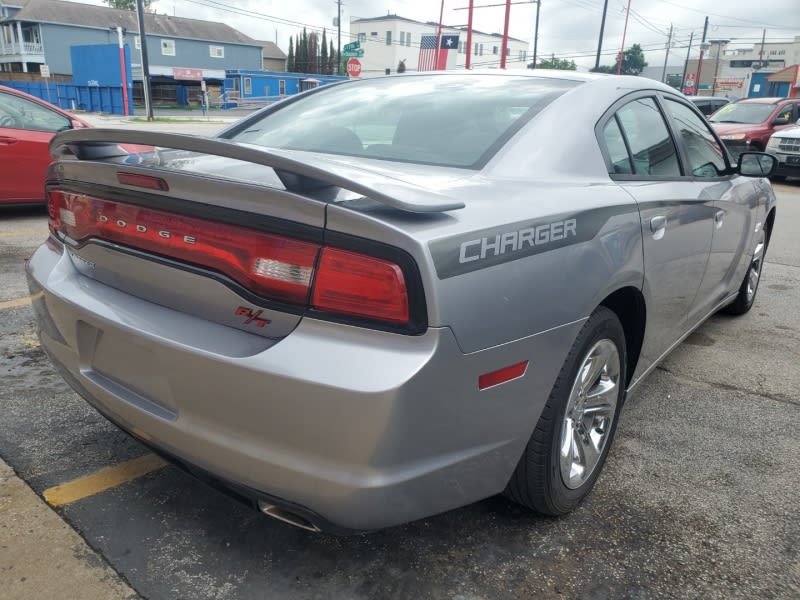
x=781 y=52
x=408 y=38
x=402 y=38
x=373 y=33
x=494 y=49
x=480 y=49
x=388 y=38
x=282 y=87
x=216 y=51
x=137 y=42
x=168 y=47
x=362 y=37
x=475 y=51
x=508 y=51
x=248 y=86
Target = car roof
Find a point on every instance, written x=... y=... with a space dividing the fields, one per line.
x=761 y=100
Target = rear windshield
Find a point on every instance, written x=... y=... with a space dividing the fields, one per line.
x=451 y=120
x=750 y=114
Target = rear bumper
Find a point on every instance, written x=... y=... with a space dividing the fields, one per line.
x=353 y=429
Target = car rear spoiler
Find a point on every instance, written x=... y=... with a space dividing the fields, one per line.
x=296 y=174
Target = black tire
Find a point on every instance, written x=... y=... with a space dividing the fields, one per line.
x=537 y=482
x=744 y=299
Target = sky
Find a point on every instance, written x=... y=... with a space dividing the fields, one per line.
x=567 y=28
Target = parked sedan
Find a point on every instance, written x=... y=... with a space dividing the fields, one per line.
x=381 y=300
x=27 y=124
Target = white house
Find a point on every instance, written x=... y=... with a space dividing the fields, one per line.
x=390 y=39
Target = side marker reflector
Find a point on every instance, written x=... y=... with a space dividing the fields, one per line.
x=494 y=378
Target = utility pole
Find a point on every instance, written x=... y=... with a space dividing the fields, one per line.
x=439 y=37
x=622 y=47
x=148 y=101
x=761 y=52
x=123 y=71
x=666 y=57
x=536 y=32
x=504 y=45
x=600 y=40
x=700 y=61
x=686 y=64
x=339 y=37
x=468 y=64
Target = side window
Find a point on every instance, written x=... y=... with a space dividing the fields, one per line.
x=706 y=157
x=19 y=113
x=620 y=160
x=784 y=116
x=649 y=139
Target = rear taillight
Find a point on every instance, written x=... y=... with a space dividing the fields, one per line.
x=331 y=280
x=354 y=284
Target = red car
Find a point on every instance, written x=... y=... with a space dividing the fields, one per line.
x=27 y=124
x=746 y=125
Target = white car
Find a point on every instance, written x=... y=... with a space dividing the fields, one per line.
x=785 y=146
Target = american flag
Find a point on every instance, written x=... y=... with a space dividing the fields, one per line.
x=427 y=52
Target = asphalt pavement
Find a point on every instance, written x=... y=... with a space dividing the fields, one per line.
x=698 y=498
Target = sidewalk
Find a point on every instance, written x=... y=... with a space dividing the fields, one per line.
x=43 y=557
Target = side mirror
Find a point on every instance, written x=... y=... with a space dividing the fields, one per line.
x=782 y=121
x=756 y=164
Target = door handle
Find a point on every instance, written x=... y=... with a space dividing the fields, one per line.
x=719 y=217
x=7 y=141
x=658 y=223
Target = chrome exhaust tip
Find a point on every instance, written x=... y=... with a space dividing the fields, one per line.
x=276 y=512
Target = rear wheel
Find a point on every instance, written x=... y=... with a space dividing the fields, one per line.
x=747 y=290
x=569 y=446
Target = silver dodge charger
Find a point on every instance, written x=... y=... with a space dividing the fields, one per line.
x=384 y=299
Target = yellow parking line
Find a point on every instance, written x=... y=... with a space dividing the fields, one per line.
x=103 y=480
x=20 y=301
x=23 y=232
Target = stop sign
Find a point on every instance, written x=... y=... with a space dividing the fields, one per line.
x=354 y=67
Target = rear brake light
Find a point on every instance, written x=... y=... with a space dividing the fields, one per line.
x=272 y=266
x=354 y=284
x=269 y=265
x=143 y=181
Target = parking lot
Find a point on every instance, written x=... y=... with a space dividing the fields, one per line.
x=698 y=499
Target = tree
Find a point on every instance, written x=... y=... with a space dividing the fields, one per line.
x=304 y=52
x=332 y=60
x=323 y=55
x=556 y=63
x=290 y=58
x=298 y=56
x=401 y=66
x=633 y=62
x=127 y=4
x=313 y=54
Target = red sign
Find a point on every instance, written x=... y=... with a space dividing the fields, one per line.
x=187 y=74
x=354 y=67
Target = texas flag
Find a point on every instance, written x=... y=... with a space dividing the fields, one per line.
x=428 y=60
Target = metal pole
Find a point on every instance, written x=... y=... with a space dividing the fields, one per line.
x=666 y=57
x=439 y=36
x=338 y=38
x=761 y=52
x=536 y=33
x=469 y=35
x=700 y=61
x=148 y=104
x=123 y=72
x=622 y=47
x=686 y=64
x=504 y=46
x=600 y=40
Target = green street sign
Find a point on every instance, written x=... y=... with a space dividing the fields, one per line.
x=358 y=53
x=351 y=46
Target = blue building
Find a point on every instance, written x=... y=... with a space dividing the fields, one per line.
x=181 y=51
x=243 y=86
